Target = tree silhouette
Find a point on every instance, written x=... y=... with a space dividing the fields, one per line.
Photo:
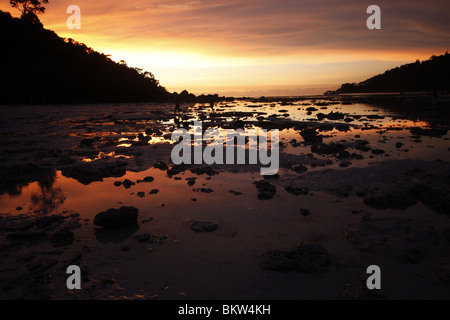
x=29 y=9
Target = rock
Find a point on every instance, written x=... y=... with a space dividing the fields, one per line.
x=86 y=142
x=128 y=183
x=114 y=218
x=432 y=132
x=154 y=191
x=296 y=190
x=377 y=151
x=398 y=145
x=147 y=220
x=117 y=183
x=397 y=196
x=266 y=190
x=44 y=222
x=204 y=170
x=311 y=136
x=26 y=236
x=206 y=190
x=307 y=258
x=161 y=166
x=141 y=194
x=305 y=212
x=345 y=164
x=146 y=237
x=148 y=179
x=361 y=292
x=62 y=237
x=191 y=181
x=343 y=127
x=335 y=116
x=362 y=145
x=406 y=239
x=201 y=226
x=236 y=193
x=299 y=168
x=88 y=172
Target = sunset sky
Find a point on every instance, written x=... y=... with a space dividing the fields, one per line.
x=256 y=47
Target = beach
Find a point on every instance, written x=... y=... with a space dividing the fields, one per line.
x=362 y=181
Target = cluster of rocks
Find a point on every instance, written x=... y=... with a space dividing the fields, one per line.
x=307 y=258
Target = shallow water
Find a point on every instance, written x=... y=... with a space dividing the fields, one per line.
x=223 y=263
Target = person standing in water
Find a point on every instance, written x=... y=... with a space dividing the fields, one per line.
x=177 y=107
x=211 y=105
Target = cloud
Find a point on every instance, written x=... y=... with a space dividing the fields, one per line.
x=271 y=34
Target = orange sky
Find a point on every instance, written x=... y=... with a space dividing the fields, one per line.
x=256 y=47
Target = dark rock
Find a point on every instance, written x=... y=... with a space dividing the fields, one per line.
x=161 y=166
x=296 y=190
x=343 y=127
x=128 y=183
x=88 y=172
x=86 y=142
x=236 y=193
x=148 y=179
x=206 y=190
x=25 y=236
x=201 y=226
x=307 y=258
x=117 y=183
x=311 y=136
x=305 y=212
x=266 y=190
x=147 y=220
x=377 y=151
x=335 y=116
x=299 y=168
x=154 y=191
x=432 y=132
x=62 y=237
x=114 y=218
x=146 y=237
x=204 y=170
x=44 y=222
x=407 y=239
x=191 y=181
x=397 y=196
x=345 y=164
x=362 y=145
x=141 y=194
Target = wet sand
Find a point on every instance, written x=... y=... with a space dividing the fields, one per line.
x=367 y=184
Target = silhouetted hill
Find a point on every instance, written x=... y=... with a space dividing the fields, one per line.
x=37 y=66
x=429 y=75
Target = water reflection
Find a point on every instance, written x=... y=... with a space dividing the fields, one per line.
x=50 y=198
